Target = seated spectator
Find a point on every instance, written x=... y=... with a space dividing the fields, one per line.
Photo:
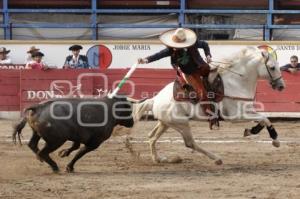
x=4 y=59
x=31 y=50
x=292 y=67
x=76 y=60
x=37 y=62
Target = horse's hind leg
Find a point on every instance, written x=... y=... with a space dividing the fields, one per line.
x=256 y=129
x=185 y=130
x=154 y=135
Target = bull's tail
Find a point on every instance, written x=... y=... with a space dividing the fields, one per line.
x=18 y=130
x=142 y=107
x=21 y=124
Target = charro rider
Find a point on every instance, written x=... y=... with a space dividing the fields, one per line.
x=182 y=46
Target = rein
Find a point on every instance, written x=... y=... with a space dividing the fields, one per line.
x=241 y=75
x=219 y=62
x=218 y=66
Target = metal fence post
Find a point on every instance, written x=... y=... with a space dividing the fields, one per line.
x=182 y=13
x=94 y=20
x=267 y=29
x=6 y=25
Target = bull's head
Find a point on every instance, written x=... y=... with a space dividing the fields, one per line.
x=123 y=111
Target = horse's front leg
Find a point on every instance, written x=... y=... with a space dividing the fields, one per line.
x=154 y=135
x=262 y=123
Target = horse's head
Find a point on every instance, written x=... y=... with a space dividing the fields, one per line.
x=269 y=69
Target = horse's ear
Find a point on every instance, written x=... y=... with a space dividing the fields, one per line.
x=264 y=54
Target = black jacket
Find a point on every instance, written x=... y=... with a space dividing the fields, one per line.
x=287 y=66
x=82 y=62
x=188 y=59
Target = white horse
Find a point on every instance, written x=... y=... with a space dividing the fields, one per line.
x=239 y=78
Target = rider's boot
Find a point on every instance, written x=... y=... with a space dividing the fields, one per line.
x=208 y=108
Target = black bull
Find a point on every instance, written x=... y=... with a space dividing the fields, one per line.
x=83 y=121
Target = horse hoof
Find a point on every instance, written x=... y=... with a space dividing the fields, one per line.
x=160 y=160
x=219 y=162
x=163 y=160
x=247 y=132
x=276 y=143
x=175 y=160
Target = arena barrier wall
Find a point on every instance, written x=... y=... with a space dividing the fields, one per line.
x=21 y=88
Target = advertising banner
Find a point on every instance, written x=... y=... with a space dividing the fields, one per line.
x=123 y=54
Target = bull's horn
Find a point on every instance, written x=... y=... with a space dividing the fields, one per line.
x=132 y=100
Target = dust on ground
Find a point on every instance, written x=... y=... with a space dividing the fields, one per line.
x=252 y=167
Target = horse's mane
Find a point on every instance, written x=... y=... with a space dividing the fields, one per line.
x=240 y=58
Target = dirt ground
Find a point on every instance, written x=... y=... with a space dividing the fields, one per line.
x=252 y=167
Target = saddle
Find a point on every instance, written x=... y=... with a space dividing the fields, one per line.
x=213 y=84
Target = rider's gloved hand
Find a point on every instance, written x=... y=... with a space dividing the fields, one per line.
x=142 y=61
x=208 y=58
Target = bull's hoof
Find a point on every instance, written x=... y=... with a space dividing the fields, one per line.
x=55 y=169
x=63 y=153
x=276 y=143
x=39 y=158
x=247 y=132
x=219 y=162
x=69 y=169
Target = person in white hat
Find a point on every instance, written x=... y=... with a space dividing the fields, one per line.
x=182 y=46
x=4 y=59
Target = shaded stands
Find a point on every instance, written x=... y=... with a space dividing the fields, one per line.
x=282 y=19
x=217 y=19
x=202 y=4
x=88 y=4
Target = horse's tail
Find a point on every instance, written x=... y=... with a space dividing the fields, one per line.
x=142 y=107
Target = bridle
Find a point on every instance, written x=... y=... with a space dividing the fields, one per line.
x=272 y=80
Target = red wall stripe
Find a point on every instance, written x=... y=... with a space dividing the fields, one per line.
x=15 y=85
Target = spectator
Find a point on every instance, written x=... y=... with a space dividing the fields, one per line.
x=76 y=60
x=37 y=62
x=31 y=50
x=292 y=67
x=4 y=59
